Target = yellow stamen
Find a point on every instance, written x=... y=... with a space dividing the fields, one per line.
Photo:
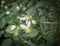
x=27 y=30
x=30 y=17
x=16 y=33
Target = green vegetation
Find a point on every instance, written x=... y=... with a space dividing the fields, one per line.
x=29 y=23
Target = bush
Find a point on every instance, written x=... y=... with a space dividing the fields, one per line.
x=28 y=23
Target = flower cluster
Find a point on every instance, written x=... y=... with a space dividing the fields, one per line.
x=27 y=21
x=2 y=3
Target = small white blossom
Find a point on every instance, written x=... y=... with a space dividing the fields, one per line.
x=28 y=23
x=18 y=17
x=21 y=18
x=33 y=22
x=6 y=7
x=18 y=8
x=22 y=26
x=1 y=5
x=7 y=12
x=21 y=5
x=23 y=15
x=2 y=2
x=13 y=27
x=24 y=18
x=27 y=18
x=24 y=8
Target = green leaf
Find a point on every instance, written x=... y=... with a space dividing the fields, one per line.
x=8 y=30
x=6 y=42
x=7 y=35
x=45 y=27
x=29 y=4
x=30 y=43
x=2 y=12
x=40 y=12
x=14 y=8
x=42 y=19
x=17 y=28
x=16 y=38
x=1 y=32
x=32 y=34
x=40 y=4
x=31 y=11
x=2 y=23
x=42 y=44
x=15 y=22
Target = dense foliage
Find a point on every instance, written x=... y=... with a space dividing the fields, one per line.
x=29 y=23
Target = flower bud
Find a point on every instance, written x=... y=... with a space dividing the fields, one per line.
x=22 y=26
x=6 y=7
x=28 y=23
x=13 y=27
x=24 y=8
x=2 y=2
x=16 y=33
x=7 y=12
x=18 y=8
x=33 y=22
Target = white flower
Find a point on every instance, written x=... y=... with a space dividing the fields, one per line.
x=1 y=5
x=23 y=15
x=7 y=12
x=21 y=5
x=13 y=27
x=26 y=28
x=6 y=7
x=24 y=18
x=28 y=23
x=27 y=18
x=18 y=8
x=24 y=8
x=22 y=26
x=33 y=22
x=18 y=17
x=2 y=2
x=21 y=18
